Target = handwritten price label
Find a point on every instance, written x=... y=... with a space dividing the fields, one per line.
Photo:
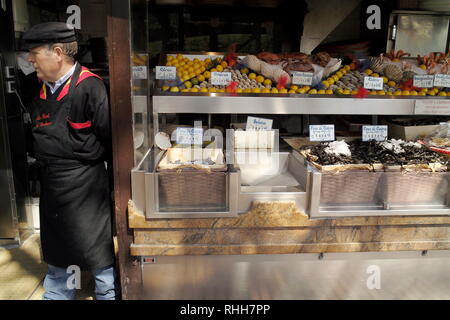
x=378 y=133
x=189 y=135
x=424 y=81
x=373 y=83
x=302 y=78
x=323 y=132
x=442 y=80
x=139 y=72
x=166 y=73
x=258 y=124
x=220 y=78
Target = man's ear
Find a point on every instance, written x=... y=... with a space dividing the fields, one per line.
x=58 y=53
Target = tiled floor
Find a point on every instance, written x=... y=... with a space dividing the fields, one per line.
x=22 y=273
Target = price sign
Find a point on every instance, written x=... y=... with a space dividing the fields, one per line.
x=442 y=80
x=139 y=72
x=432 y=107
x=220 y=78
x=258 y=124
x=324 y=132
x=166 y=73
x=373 y=83
x=424 y=81
x=302 y=78
x=189 y=136
x=378 y=133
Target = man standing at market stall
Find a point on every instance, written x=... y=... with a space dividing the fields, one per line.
x=71 y=139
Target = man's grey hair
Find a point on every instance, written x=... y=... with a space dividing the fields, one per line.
x=69 y=49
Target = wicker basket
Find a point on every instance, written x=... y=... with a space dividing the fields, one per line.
x=411 y=188
x=192 y=189
x=350 y=188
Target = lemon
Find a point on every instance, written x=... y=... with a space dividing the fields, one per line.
x=201 y=78
x=346 y=91
x=347 y=67
x=188 y=84
x=239 y=90
x=442 y=94
x=312 y=91
x=174 y=89
x=248 y=90
x=219 y=68
x=405 y=93
x=274 y=90
x=256 y=90
x=260 y=79
x=330 y=81
x=391 y=83
x=220 y=90
x=321 y=91
x=329 y=91
x=218 y=60
x=339 y=74
x=368 y=72
x=294 y=87
x=194 y=81
x=425 y=90
x=326 y=83
x=169 y=58
x=179 y=56
x=265 y=90
x=191 y=75
x=291 y=91
x=354 y=92
x=207 y=61
x=267 y=82
x=423 y=67
x=398 y=93
x=193 y=90
x=372 y=93
x=385 y=80
x=244 y=71
x=381 y=92
x=203 y=89
x=301 y=91
x=214 y=70
x=413 y=93
x=224 y=64
x=343 y=71
x=202 y=69
x=184 y=90
x=375 y=75
x=165 y=88
x=431 y=93
x=252 y=76
x=207 y=74
x=307 y=88
x=284 y=90
x=335 y=78
x=212 y=90
x=421 y=93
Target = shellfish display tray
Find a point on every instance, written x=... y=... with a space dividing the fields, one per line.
x=379 y=187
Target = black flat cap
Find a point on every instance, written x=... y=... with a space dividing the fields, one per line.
x=46 y=33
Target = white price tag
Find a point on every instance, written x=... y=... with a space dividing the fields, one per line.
x=220 y=78
x=190 y=136
x=139 y=72
x=166 y=73
x=442 y=80
x=378 y=133
x=434 y=107
x=302 y=78
x=373 y=83
x=423 y=81
x=323 y=132
x=258 y=124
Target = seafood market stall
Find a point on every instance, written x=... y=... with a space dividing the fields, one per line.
x=244 y=159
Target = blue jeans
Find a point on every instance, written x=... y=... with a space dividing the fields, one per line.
x=57 y=287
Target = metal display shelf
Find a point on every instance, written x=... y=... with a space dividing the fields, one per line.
x=282 y=104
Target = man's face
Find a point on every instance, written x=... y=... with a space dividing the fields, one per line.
x=46 y=62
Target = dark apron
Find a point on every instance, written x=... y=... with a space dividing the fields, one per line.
x=75 y=208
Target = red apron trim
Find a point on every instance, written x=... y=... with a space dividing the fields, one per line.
x=83 y=125
x=43 y=92
x=64 y=91
x=84 y=74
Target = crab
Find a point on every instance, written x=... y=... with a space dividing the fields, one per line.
x=431 y=60
x=396 y=55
